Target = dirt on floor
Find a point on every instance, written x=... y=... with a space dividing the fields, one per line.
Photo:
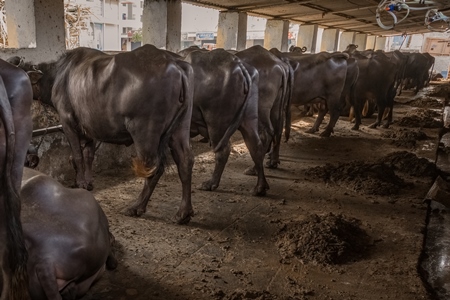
x=344 y=219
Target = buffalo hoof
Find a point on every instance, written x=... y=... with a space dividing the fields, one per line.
x=182 y=218
x=373 y=126
x=83 y=185
x=355 y=127
x=133 y=211
x=90 y=186
x=311 y=130
x=386 y=125
x=272 y=165
x=250 y=171
x=260 y=191
x=208 y=186
x=326 y=133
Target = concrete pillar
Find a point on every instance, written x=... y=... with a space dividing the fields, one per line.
x=276 y=35
x=174 y=26
x=232 y=30
x=307 y=37
x=20 y=23
x=347 y=38
x=360 y=39
x=48 y=18
x=330 y=40
x=161 y=24
x=370 y=44
x=380 y=43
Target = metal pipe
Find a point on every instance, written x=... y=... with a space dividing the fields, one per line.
x=42 y=131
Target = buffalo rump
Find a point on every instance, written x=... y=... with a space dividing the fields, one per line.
x=142 y=97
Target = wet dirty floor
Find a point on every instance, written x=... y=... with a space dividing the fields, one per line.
x=243 y=247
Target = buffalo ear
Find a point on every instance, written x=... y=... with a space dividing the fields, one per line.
x=15 y=60
x=356 y=46
x=35 y=76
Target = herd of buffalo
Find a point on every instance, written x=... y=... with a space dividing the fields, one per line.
x=157 y=100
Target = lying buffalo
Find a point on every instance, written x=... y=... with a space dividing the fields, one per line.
x=15 y=135
x=67 y=237
x=142 y=97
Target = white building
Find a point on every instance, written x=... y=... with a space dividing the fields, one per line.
x=112 y=23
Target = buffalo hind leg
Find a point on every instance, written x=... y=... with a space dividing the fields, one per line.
x=270 y=143
x=356 y=109
x=182 y=155
x=274 y=153
x=139 y=207
x=320 y=116
x=257 y=151
x=316 y=125
x=221 y=158
x=77 y=153
x=381 y=108
x=390 y=108
x=335 y=112
x=88 y=157
x=148 y=164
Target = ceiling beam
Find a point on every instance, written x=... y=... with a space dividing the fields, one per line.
x=326 y=13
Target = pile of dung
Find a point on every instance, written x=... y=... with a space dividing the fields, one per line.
x=409 y=163
x=324 y=240
x=405 y=138
x=439 y=91
x=423 y=118
x=427 y=102
x=242 y=294
x=361 y=177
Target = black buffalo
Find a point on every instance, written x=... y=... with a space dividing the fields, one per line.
x=142 y=97
x=417 y=70
x=376 y=82
x=15 y=135
x=225 y=100
x=273 y=97
x=318 y=78
x=67 y=237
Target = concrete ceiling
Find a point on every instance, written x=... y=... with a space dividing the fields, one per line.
x=348 y=15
